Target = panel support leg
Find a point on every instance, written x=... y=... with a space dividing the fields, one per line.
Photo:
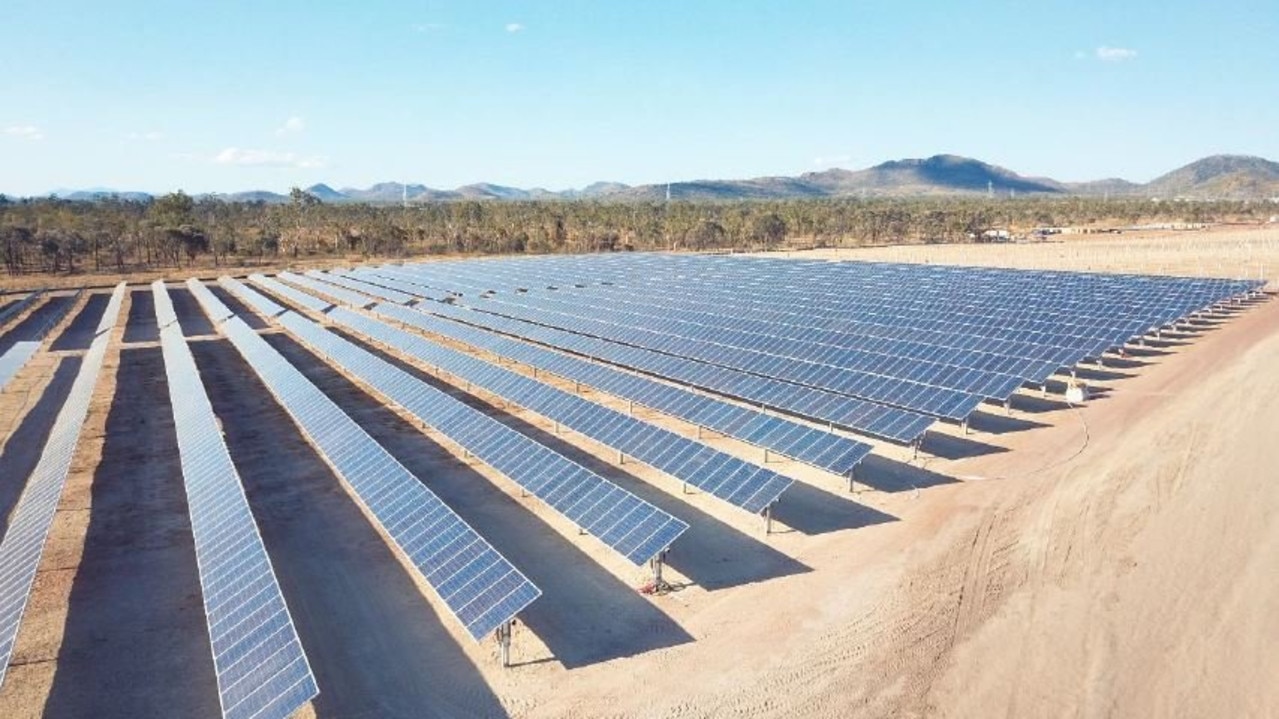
x=766 y=455
x=852 y=481
x=504 y=642
x=656 y=563
x=1008 y=405
x=964 y=426
x=768 y=520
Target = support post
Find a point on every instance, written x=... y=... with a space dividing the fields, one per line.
x=621 y=458
x=1008 y=405
x=964 y=425
x=699 y=431
x=766 y=455
x=504 y=642
x=852 y=481
x=656 y=563
x=768 y=520
x=630 y=408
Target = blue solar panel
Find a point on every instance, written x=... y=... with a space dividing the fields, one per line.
x=264 y=305
x=869 y=418
x=18 y=307
x=477 y=584
x=212 y=306
x=740 y=483
x=262 y=670
x=634 y=528
x=296 y=296
x=32 y=517
x=341 y=294
x=340 y=279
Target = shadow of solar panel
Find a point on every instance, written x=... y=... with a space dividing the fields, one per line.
x=29 y=523
x=477 y=584
x=256 y=651
x=543 y=472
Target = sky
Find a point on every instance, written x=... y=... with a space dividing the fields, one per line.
x=235 y=95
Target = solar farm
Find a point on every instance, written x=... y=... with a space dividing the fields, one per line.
x=547 y=486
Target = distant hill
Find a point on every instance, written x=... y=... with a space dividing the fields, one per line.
x=1216 y=177
x=324 y=193
x=1223 y=176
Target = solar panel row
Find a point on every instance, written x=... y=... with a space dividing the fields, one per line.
x=19 y=306
x=279 y=289
x=258 y=301
x=739 y=483
x=475 y=582
x=861 y=416
x=825 y=450
x=341 y=280
x=907 y=394
x=634 y=528
x=29 y=523
x=262 y=669
x=340 y=294
x=212 y=306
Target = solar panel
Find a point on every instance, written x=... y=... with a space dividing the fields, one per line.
x=351 y=280
x=212 y=306
x=340 y=294
x=338 y=278
x=869 y=418
x=164 y=312
x=14 y=359
x=475 y=582
x=258 y=301
x=18 y=307
x=632 y=527
x=825 y=450
x=262 y=669
x=308 y=301
x=32 y=517
x=733 y=480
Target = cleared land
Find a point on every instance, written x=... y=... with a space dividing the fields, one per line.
x=1113 y=559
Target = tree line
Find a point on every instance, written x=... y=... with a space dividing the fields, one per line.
x=51 y=235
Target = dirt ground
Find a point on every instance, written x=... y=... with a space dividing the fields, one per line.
x=1114 y=559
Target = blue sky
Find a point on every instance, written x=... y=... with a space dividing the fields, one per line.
x=233 y=95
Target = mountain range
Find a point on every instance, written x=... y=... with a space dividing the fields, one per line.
x=1215 y=177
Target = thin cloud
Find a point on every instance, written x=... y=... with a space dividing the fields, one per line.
x=514 y=27
x=1115 y=54
x=145 y=136
x=24 y=132
x=425 y=27
x=267 y=158
x=291 y=126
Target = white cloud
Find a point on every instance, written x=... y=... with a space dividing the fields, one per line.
x=267 y=158
x=514 y=27
x=427 y=26
x=24 y=132
x=1115 y=54
x=147 y=136
x=291 y=126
